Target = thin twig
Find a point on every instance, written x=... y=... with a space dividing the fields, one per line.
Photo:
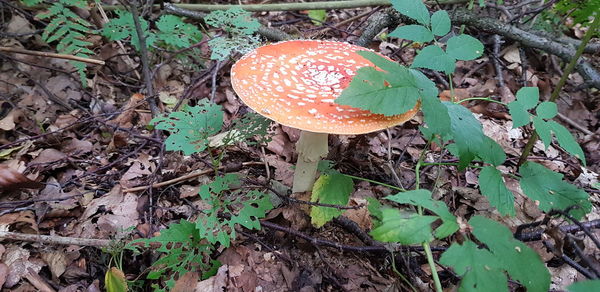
x=51 y=55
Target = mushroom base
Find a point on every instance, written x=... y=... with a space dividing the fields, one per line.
x=311 y=147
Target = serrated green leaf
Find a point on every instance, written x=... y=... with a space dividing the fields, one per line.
x=464 y=47
x=550 y=192
x=519 y=114
x=584 y=286
x=31 y=2
x=434 y=58
x=466 y=131
x=423 y=198
x=436 y=117
x=520 y=261
x=176 y=33
x=413 y=32
x=528 y=97
x=478 y=268
x=222 y=47
x=329 y=189
x=234 y=20
x=546 y=110
x=317 y=16
x=491 y=152
x=191 y=128
x=410 y=229
x=390 y=92
x=440 y=23
x=566 y=140
x=123 y=27
x=493 y=187
x=114 y=280
x=414 y=9
x=543 y=130
x=255 y=207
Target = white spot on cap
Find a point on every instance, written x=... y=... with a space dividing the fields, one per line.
x=312 y=111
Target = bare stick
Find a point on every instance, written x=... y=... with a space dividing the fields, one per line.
x=53 y=239
x=185 y=177
x=51 y=55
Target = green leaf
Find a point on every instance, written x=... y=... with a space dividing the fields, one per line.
x=520 y=261
x=566 y=140
x=546 y=110
x=423 y=198
x=123 y=27
x=330 y=189
x=528 y=97
x=519 y=114
x=175 y=33
x=434 y=58
x=466 y=131
x=492 y=186
x=440 y=23
x=31 y=2
x=478 y=268
x=114 y=280
x=223 y=47
x=255 y=207
x=191 y=128
x=317 y=16
x=374 y=208
x=543 y=129
x=464 y=47
x=413 y=32
x=409 y=229
x=390 y=92
x=584 y=286
x=550 y=192
x=414 y=9
x=234 y=20
x=491 y=152
x=436 y=117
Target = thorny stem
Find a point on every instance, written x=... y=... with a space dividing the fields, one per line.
x=563 y=79
x=426 y=247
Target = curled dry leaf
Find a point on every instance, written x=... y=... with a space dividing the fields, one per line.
x=11 y=179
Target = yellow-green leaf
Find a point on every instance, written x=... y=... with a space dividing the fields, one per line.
x=114 y=280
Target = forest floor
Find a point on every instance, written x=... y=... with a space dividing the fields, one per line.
x=90 y=161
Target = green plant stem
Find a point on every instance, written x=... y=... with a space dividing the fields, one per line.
x=426 y=247
x=480 y=98
x=563 y=79
x=293 y=6
x=375 y=182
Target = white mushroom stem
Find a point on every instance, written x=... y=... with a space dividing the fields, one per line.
x=311 y=147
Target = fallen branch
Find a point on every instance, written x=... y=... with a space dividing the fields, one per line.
x=188 y=177
x=51 y=55
x=53 y=239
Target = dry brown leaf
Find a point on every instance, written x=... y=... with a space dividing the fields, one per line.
x=186 y=283
x=3 y=273
x=18 y=262
x=24 y=221
x=11 y=179
x=56 y=261
x=361 y=216
x=48 y=156
x=216 y=283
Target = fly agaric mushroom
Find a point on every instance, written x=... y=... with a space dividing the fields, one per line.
x=295 y=84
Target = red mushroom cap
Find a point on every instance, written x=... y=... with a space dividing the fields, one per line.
x=296 y=82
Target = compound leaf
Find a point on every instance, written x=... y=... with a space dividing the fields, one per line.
x=519 y=114
x=191 y=128
x=566 y=140
x=413 y=32
x=492 y=186
x=543 y=129
x=478 y=268
x=528 y=97
x=414 y=9
x=434 y=58
x=466 y=131
x=409 y=229
x=464 y=47
x=390 y=92
x=549 y=190
x=546 y=110
x=423 y=198
x=440 y=23
x=520 y=261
